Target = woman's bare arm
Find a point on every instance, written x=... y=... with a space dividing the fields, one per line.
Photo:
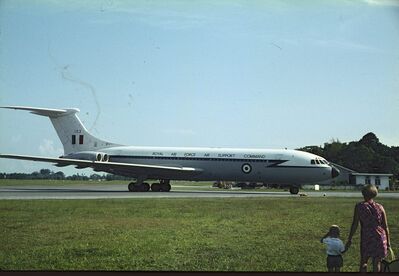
x=385 y=226
x=355 y=223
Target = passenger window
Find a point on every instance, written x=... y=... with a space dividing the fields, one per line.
x=312 y=162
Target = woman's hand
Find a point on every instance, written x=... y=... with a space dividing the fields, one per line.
x=347 y=245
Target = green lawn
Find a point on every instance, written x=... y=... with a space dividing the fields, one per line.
x=48 y=182
x=237 y=234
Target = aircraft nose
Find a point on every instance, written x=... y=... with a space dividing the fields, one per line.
x=334 y=172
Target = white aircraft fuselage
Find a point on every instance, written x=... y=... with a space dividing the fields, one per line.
x=269 y=166
x=226 y=164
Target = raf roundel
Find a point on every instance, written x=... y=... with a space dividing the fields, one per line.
x=246 y=168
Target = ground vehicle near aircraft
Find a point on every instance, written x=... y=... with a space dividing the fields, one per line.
x=83 y=150
x=242 y=185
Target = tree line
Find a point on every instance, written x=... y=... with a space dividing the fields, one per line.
x=366 y=155
x=48 y=174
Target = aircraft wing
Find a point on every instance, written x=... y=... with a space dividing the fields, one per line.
x=127 y=169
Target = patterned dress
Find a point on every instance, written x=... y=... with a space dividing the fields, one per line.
x=373 y=239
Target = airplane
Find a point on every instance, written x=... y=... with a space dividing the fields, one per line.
x=290 y=168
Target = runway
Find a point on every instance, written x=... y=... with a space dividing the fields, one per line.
x=103 y=191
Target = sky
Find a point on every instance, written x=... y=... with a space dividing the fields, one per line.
x=250 y=74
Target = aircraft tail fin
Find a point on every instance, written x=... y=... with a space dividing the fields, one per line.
x=72 y=133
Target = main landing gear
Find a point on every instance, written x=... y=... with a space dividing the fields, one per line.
x=140 y=186
x=294 y=190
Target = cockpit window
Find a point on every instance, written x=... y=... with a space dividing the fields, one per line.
x=318 y=161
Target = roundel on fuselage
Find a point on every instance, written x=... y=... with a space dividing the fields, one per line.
x=246 y=168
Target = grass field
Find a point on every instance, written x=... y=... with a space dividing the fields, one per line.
x=48 y=182
x=237 y=234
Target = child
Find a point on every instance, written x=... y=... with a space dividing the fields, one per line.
x=335 y=247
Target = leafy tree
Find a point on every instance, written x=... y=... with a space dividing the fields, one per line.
x=45 y=172
x=59 y=175
x=365 y=155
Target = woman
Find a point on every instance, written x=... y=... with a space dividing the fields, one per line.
x=374 y=236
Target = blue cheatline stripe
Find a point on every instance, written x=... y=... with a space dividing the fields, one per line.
x=197 y=158
x=298 y=167
x=272 y=163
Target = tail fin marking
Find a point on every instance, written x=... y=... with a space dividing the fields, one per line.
x=70 y=130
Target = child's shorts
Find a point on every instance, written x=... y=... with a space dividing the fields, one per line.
x=334 y=261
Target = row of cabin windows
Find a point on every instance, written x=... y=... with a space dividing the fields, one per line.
x=194 y=158
x=74 y=139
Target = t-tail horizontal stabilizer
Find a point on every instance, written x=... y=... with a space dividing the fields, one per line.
x=72 y=133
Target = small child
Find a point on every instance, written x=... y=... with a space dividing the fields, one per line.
x=335 y=247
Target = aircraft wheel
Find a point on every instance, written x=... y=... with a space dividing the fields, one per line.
x=155 y=187
x=165 y=187
x=294 y=190
x=145 y=187
x=131 y=187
